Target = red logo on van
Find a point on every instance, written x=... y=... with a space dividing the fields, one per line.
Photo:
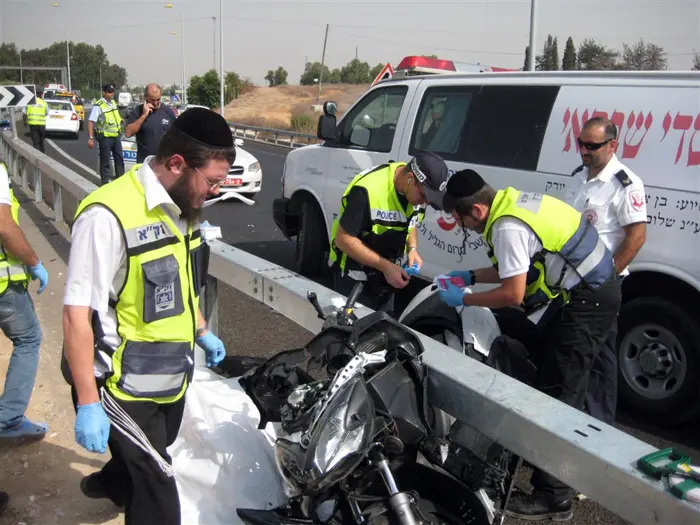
x=632 y=130
x=447 y=223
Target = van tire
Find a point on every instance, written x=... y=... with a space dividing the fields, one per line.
x=665 y=339
x=311 y=240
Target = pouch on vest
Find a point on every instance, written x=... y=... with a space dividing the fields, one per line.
x=200 y=266
x=153 y=370
x=162 y=297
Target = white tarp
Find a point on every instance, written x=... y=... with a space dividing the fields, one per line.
x=220 y=458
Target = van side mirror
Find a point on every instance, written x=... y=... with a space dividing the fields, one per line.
x=330 y=108
x=327 y=129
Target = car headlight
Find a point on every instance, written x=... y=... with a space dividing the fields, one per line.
x=255 y=166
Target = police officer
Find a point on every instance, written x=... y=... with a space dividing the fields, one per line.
x=105 y=124
x=611 y=197
x=131 y=308
x=36 y=120
x=376 y=225
x=542 y=250
x=18 y=320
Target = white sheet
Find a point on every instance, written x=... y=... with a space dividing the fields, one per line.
x=221 y=460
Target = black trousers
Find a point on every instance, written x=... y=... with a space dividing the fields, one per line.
x=38 y=134
x=377 y=294
x=575 y=336
x=111 y=145
x=601 y=398
x=132 y=478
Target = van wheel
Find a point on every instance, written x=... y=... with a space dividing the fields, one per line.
x=659 y=360
x=311 y=241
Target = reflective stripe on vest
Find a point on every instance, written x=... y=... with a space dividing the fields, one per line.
x=36 y=114
x=563 y=231
x=386 y=213
x=11 y=268
x=157 y=305
x=109 y=123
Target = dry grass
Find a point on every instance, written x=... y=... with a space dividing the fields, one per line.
x=289 y=107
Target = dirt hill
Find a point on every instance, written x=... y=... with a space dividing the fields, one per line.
x=289 y=107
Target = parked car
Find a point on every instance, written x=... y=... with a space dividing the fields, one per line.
x=245 y=175
x=62 y=118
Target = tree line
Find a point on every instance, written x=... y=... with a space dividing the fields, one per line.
x=86 y=63
x=354 y=72
x=593 y=56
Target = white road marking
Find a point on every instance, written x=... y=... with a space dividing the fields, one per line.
x=75 y=161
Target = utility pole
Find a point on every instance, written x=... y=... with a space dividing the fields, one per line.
x=21 y=73
x=323 y=61
x=533 y=35
x=68 y=54
x=356 y=64
x=221 y=57
x=213 y=19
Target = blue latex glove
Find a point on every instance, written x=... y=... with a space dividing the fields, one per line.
x=213 y=348
x=92 y=428
x=39 y=272
x=452 y=296
x=411 y=270
x=466 y=275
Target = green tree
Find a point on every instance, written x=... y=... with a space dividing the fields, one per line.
x=204 y=90
x=696 y=62
x=527 y=58
x=313 y=71
x=549 y=59
x=592 y=56
x=568 y=63
x=355 y=72
x=375 y=71
x=277 y=77
x=643 y=56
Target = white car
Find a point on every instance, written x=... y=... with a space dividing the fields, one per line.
x=62 y=118
x=245 y=175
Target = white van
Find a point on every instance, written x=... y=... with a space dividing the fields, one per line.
x=519 y=129
x=124 y=99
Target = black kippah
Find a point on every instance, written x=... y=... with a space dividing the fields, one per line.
x=206 y=127
x=464 y=183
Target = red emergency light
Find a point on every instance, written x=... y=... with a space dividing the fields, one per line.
x=411 y=63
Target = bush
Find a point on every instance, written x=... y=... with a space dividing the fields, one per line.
x=303 y=123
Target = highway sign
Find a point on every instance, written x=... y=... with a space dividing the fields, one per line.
x=17 y=96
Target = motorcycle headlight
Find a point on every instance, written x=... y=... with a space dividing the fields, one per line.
x=343 y=434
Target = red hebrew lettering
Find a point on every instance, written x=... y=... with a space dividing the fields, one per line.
x=682 y=122
x=618 y=118
x=574 y=131
x=693 y=154
x=666 y=125
x=629 y=148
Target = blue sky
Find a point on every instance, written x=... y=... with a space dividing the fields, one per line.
x=261 y=34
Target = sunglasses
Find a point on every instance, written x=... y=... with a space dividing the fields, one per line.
x=591 y=146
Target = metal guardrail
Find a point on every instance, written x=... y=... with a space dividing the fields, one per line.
x=280 y=137
x=594 y=458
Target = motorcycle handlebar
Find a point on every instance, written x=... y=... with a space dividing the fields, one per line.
x=354 y=295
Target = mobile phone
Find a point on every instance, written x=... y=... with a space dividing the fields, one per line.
x=457 y=281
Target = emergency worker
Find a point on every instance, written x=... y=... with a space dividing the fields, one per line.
x=36 y=120
x=377 y=222
x=18 y=319
x=131 y=311
x=105 y=123
x=544 y=252
x=611 y=198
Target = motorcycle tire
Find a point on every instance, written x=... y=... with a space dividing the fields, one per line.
x=430 y=514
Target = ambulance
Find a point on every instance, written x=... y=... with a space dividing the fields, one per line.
x=520 y=129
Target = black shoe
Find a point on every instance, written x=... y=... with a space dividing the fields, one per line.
x=4 y=500
x=538 y=507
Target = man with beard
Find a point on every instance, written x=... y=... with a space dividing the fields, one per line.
x=131 y=315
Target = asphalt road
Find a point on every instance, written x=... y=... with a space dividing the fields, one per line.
x=250 y=328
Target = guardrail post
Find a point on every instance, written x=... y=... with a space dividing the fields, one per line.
x=57 y=201
x=210 y=306
x=38 y=189
x=277 y=138
x=25 y=175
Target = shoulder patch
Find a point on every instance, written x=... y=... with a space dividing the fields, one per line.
x=577 y=170
x=623 y=178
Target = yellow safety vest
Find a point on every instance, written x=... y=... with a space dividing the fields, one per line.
x=390 y=221
x=110 y=121
x=36 y=114
x=157 y=306
x=563 y=231
x=11 y=268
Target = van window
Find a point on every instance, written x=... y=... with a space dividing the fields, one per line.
x=508 y=125
x=441 y=119
x=371 y=124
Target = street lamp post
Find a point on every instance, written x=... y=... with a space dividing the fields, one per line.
x=56 y=4
x=182 y=37
x=221 y=57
